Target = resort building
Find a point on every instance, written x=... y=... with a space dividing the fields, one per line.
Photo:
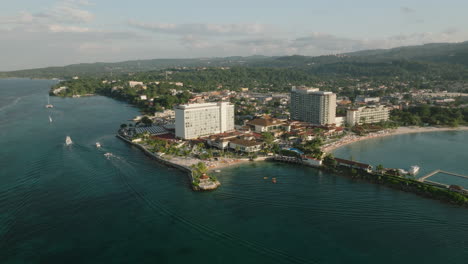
x=268 y=124
x=367 y=115
x=313 y=106
x=198 y=120
x=244 y=145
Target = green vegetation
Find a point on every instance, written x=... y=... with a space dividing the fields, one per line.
x=398 y=182
x=426 y=115
x=312 y=147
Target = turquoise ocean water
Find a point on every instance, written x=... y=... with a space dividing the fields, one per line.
x=62 y=204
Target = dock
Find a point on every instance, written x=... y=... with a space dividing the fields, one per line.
x=423 y=178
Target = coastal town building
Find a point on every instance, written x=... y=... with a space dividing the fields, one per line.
x=245 y=145
x=307 y=160
x=221 y=141
x=133 y=84
x=367 y=115
x=340 y=121
x=313 y=106
x=354 y=164
x=365 y=100
x=198 y=120
x=268 y=124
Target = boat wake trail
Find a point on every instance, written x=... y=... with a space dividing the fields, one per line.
x=222 y=237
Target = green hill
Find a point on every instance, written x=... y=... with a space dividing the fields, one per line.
x=428 y=58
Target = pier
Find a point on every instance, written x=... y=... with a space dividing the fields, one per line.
x=423 y=178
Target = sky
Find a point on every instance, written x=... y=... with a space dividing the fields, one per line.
x=40 y=33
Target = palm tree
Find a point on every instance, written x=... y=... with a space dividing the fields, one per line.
x=380 y=168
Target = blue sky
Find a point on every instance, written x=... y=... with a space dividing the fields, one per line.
x=37 y=33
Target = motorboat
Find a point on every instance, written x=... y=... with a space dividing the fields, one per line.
x=413 y=170
x=98 y=145
x=68 y=141
x=49 y=105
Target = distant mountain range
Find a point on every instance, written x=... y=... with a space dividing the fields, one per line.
x=435 y=53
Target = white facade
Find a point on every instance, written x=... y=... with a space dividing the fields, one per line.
x=245 y=145
x=198 y=120
x=312 y=162
x=367 y=115
x=364 y=99
x=313 y=106
x=340 y=121
x=132 y=84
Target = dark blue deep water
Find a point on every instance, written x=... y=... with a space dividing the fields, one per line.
x=71 y=204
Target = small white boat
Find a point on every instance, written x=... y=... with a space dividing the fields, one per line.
x=413 y=170
x=108 y=155
x=68 y=141
x=217 y=170
x=98 y=145
x=49 y=105
x=50 y=119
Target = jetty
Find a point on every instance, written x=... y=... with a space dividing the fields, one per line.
x=423 y=178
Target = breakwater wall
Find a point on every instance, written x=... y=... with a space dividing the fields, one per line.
x=163 y=161
x=429 y=190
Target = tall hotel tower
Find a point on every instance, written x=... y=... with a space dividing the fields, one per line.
x=313 y=106
x=198 y=120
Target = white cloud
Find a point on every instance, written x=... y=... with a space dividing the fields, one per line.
x=203 y=29
x=61 y=28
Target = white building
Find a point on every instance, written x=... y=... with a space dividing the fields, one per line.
x=365 y=99
x=132 y=84
x=197 y=120
x=367 y=115
x=313 y=106
x=245 y=145
x=340 y=121
x=311 y=161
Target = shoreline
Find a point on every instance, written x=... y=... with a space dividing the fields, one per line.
x=385 y=133
x=202 y=185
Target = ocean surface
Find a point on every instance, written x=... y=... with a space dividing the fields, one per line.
x=446 y=151
x=71 y=204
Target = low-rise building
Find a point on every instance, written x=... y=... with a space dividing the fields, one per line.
x=367 y=115
x=365 y=99
x=244 y=145
x=354 y=164
x=133 y=84
x=340 y=121
x=307 y=160
x=268 y=124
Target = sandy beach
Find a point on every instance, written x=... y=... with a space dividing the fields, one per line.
x=389 y=132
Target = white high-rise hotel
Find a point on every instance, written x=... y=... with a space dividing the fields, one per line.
x=198 y=120
x=313 y=106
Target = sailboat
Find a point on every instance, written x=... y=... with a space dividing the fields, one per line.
x=50 y=119
x=68 y=141
x=48 y=105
